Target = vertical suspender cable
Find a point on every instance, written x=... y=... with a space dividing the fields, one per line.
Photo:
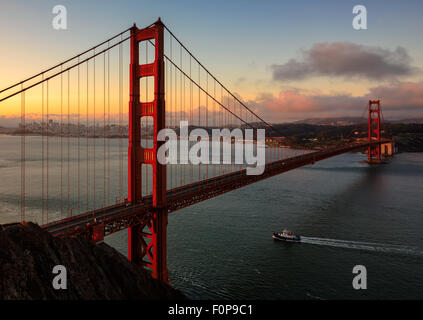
x=104 y=130
x=47 y=123
x=94 y=138
x=79 y=138
x=228 y=166
x=61 y=143
x=145 y=122
x=68 y=136
x=220 y=127
x=199 y=115
x=120 y=125
x=207 y=116
x=108 y=126
x=42 y=151
x=87 y=141
x=174 y=117
x=180 y=98
x=185 y=116
x=214 y=119
x=233 y=125
x=191 y=119
x=22 y=155
x=171 y=104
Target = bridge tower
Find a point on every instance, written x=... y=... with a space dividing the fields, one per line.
x=374 y=135
x=147 y=241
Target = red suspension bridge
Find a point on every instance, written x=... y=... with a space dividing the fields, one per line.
x=74 y=140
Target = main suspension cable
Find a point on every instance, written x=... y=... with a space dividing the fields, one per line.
x=63 y=70
x=63 y=62
x=236 y=98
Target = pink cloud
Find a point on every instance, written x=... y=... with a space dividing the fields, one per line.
x=407 y=95
x=399 y=100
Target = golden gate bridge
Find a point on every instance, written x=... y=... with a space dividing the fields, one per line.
x=76 y=108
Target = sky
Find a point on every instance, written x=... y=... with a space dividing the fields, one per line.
x=289 y=60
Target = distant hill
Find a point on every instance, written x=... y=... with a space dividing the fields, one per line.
x=417 y=120
x=348 y=121
x=409 y=136
x=345 y=121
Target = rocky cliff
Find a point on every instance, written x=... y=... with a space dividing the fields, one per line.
x=28 y=255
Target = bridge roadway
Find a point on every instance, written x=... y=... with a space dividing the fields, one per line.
x=121 y=216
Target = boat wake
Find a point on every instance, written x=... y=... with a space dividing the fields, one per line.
x=367 y=246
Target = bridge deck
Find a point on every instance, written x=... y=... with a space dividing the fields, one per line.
x=122 y=216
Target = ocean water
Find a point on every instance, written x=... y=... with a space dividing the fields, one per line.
x=347 y=212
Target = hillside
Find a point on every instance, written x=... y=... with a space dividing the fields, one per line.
x=28 y=255
x=408 y=137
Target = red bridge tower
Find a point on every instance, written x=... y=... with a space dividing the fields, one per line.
x=374 y=131
x=147 y=241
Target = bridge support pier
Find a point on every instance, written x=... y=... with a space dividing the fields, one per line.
x=147 y=242
x=147 y=245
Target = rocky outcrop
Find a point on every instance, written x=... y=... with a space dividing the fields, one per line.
x=28 y=255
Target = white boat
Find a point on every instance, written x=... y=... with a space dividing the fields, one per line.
x=286 y=235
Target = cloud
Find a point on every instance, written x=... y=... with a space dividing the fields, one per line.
x=399 y=101
x=346 y=59
x=240 y=80
x=401 y=96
